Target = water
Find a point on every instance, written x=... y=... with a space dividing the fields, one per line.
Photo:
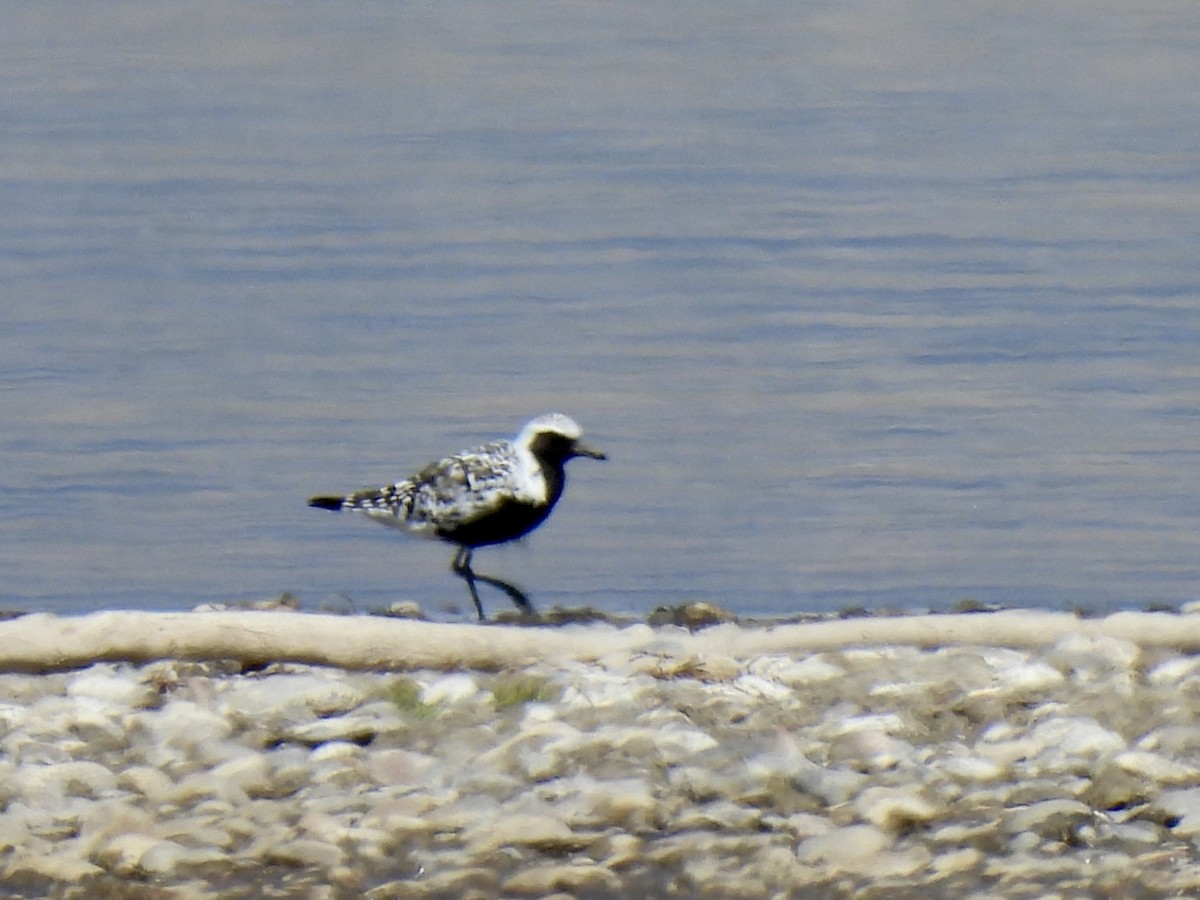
x=871 y=303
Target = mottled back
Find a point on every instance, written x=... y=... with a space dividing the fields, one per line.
x=446 y=493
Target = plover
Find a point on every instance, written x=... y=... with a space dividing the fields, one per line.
x=491 y=494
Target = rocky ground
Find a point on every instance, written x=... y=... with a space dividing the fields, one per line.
x=884 y=771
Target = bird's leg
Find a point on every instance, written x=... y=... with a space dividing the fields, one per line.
x=462 y=568
x=515 y=594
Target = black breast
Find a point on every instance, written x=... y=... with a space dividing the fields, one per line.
x=509 y=522
x=515 y=519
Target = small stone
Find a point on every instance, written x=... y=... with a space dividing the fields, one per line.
x=895 y=810
x=1113 y=788
x=1023 y=866
x=541 y=832
x=955 y=861
x=405 y=609
x=290 y=696
x=399 y=766
x=848 y=849
x=624 y=803
x=400 y=816
x=61 y=868
x=307 y=852
x=1051 y=819
x=1173 y=671
x=1076 y=736
x=450 y=689
x=80 y=778
x=468 y=882
x=578 y=878
x=801 y=825
x=677 y=743
x=115 y=688
x=1153 y=767
x=179 y=725
x=812 y=670
x=623 y=850
x=248 y=773
x=970 y=768
x=151 y=783
x=1146 y=833
x=876 y=751
x=357 y=729
x=1094 y=656
x=1015 y=674
x=466 y=812
x=131 y=853
x=168 y=858
x=720 y=815
x=897 y=863
x=335 y=752
x=757 y=688
x=831 y=785
x=1181 y=808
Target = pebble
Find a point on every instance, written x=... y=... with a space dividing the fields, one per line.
x=876 y=770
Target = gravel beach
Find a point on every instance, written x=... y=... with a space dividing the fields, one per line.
x=1070 y=769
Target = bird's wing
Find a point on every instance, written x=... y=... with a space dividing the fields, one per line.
x=445 y=493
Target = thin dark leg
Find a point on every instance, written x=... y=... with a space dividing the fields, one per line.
x=462 y=568
x=515 y=594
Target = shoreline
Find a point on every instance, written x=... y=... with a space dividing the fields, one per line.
x=42 y=642
x=606 y=761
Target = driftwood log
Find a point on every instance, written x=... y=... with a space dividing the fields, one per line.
x=43 y=642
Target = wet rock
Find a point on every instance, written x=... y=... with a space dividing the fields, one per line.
x=405 y=609
x=831 y=786
x=572 y=879
x=450 y=689
x=356 y=729
x=1064 y=740
x=895 y=810
x=720 y=815
x=1179 y=809
x=1057 y=820
x=955 y=862
x=784 y=670
x=1153 y=767
x=1093 y=657
x=40 y=783
x=849 y=849
x=590 y=804
x=676 y=743
x=113 y=688
x=64 y=867
x=514 y=829
x=289 y=696
x=318 y=854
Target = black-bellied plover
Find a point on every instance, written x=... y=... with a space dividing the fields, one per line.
x=487 y=495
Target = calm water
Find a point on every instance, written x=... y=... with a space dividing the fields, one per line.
x=880 y=303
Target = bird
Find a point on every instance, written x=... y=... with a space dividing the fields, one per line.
x=490 y=494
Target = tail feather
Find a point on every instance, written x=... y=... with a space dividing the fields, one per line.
x=333 y=503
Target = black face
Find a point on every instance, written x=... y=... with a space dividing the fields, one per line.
x=553 y=447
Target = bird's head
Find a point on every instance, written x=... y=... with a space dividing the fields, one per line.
x=556 y=438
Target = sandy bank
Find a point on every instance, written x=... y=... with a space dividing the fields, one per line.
x=1010 y=754
x=45 y=642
